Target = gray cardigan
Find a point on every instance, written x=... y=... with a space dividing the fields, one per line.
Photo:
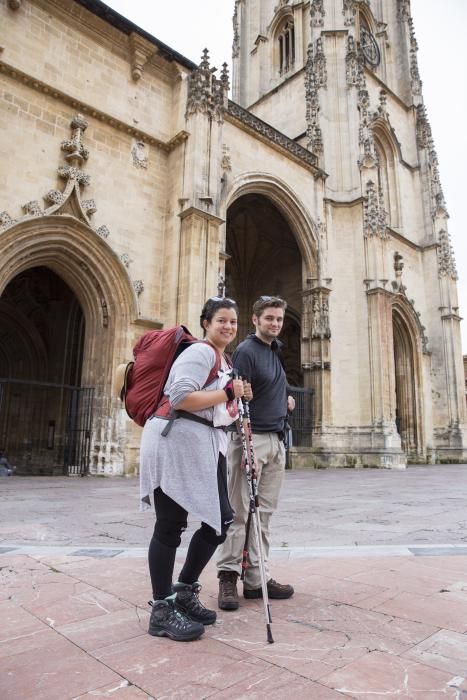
x=184 y=463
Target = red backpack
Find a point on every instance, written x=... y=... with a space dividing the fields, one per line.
x=144 y=379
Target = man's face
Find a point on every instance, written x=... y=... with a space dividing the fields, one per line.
x=269 y=324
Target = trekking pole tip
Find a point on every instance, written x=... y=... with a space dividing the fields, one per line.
x=270 y=639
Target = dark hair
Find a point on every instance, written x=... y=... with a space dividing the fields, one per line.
x=212 y=305
x=265 y=302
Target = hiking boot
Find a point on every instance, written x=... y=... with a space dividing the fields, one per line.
x=188 y=602
x=276 y=591
x=228 y=596
x=167 y=621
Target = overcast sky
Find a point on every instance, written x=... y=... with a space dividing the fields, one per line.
x=189 y=27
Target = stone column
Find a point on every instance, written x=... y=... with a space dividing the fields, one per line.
x=198 y=266
x=199 y=262
x=316 y=352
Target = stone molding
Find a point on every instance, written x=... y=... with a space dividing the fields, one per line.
x=274 y=137
x=90 y=111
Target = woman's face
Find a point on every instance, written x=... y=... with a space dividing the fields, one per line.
x=222 y=328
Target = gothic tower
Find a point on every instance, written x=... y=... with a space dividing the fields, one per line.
x=340 y=77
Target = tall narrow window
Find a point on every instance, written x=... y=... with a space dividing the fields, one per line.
x=286 y=39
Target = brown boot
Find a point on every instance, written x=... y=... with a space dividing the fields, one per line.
x=228 y=596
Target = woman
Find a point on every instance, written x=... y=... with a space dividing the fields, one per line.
x=183 y=465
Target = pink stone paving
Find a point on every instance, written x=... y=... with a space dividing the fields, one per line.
x=76 y=627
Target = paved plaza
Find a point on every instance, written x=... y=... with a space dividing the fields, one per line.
x=378 y=560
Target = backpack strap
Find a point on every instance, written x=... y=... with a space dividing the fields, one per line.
x=164 y=409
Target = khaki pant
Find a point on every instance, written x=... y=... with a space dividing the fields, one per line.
x=270 y=453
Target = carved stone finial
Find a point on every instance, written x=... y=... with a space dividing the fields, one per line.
x=206 y=93
x=74 y=146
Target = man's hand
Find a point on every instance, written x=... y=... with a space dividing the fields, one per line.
x=247 y=390
x=290 y=404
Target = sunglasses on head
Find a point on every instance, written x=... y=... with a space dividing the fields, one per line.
x=222 y=299
x=268 y=298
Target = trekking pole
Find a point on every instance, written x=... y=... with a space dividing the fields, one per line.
x=249 y=460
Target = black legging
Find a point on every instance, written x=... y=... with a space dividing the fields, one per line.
x=171 y=521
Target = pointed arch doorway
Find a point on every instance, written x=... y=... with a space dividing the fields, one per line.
x=407 y=387
x=264 y=258
x=43 y=409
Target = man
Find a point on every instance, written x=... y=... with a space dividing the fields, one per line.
x=257 y=360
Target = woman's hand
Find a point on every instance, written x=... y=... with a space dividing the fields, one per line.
x=237 y=388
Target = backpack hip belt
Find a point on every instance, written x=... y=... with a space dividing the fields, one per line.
x=188 y=416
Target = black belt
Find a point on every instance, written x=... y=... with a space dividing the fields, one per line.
x=188 y=416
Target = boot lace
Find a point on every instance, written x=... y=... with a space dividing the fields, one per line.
x=229 y=584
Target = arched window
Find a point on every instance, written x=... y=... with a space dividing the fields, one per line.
x=387 y=176
x=368 y=44
x=286 y=42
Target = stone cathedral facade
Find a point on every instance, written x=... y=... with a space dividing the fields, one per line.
x=132 y=188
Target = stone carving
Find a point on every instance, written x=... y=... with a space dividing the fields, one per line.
x=226 y=162
x=374 y=214
x=67 y=172
x=14 y=4
x=69 y=201
x=317 y=13
x=206 y=93
x=368 y=157
x=139 y=155
x=54 y=196
x=398 y=267
x=416 y=82
x=6 y=220
x=89 y=206
x=138 y=286
x=74 y=146
x=382 y=107
x=439 y=203
x=403 y=9
x=316 y=314
x=353 y=63
x=446 y=260
x=236 y=32
x=141 y=50
x=315 y=78
x=349 y=11
x=33 y=208
x=103 y=231
x=126 y=260
x=221 y=285
x=423 y=128
x=260 y=127
x=425 y=141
